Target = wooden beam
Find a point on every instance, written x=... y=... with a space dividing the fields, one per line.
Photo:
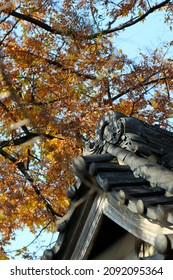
x=134 y=223
x=90 y=229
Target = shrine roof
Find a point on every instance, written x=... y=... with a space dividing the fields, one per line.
x=128 y=170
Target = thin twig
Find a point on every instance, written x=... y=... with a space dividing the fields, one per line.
x=35 y=238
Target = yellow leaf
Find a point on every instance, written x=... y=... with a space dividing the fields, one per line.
x=140 y=79
x=140 y=13
x=1 y=216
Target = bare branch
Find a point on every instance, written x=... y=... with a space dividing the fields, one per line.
x=35 y=238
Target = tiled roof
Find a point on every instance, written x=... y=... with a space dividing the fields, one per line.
x=125 y=174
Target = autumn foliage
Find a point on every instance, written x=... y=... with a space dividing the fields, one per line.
x=60 y=71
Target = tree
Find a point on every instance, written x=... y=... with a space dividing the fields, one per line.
x=60 y=71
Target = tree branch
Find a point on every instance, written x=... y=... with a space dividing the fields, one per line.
x=18 y=141
x=56 y=31
x=62 y=67
x=143 y=83
x=35 y=238
x=39 y=23
x=6 y=109
x=21 y=167
x=24 y=139
x=70 y=70
x=129 y=22
x=6 y=35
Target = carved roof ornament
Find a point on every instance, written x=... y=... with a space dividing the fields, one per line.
x=126 y=175
x=133 y=135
